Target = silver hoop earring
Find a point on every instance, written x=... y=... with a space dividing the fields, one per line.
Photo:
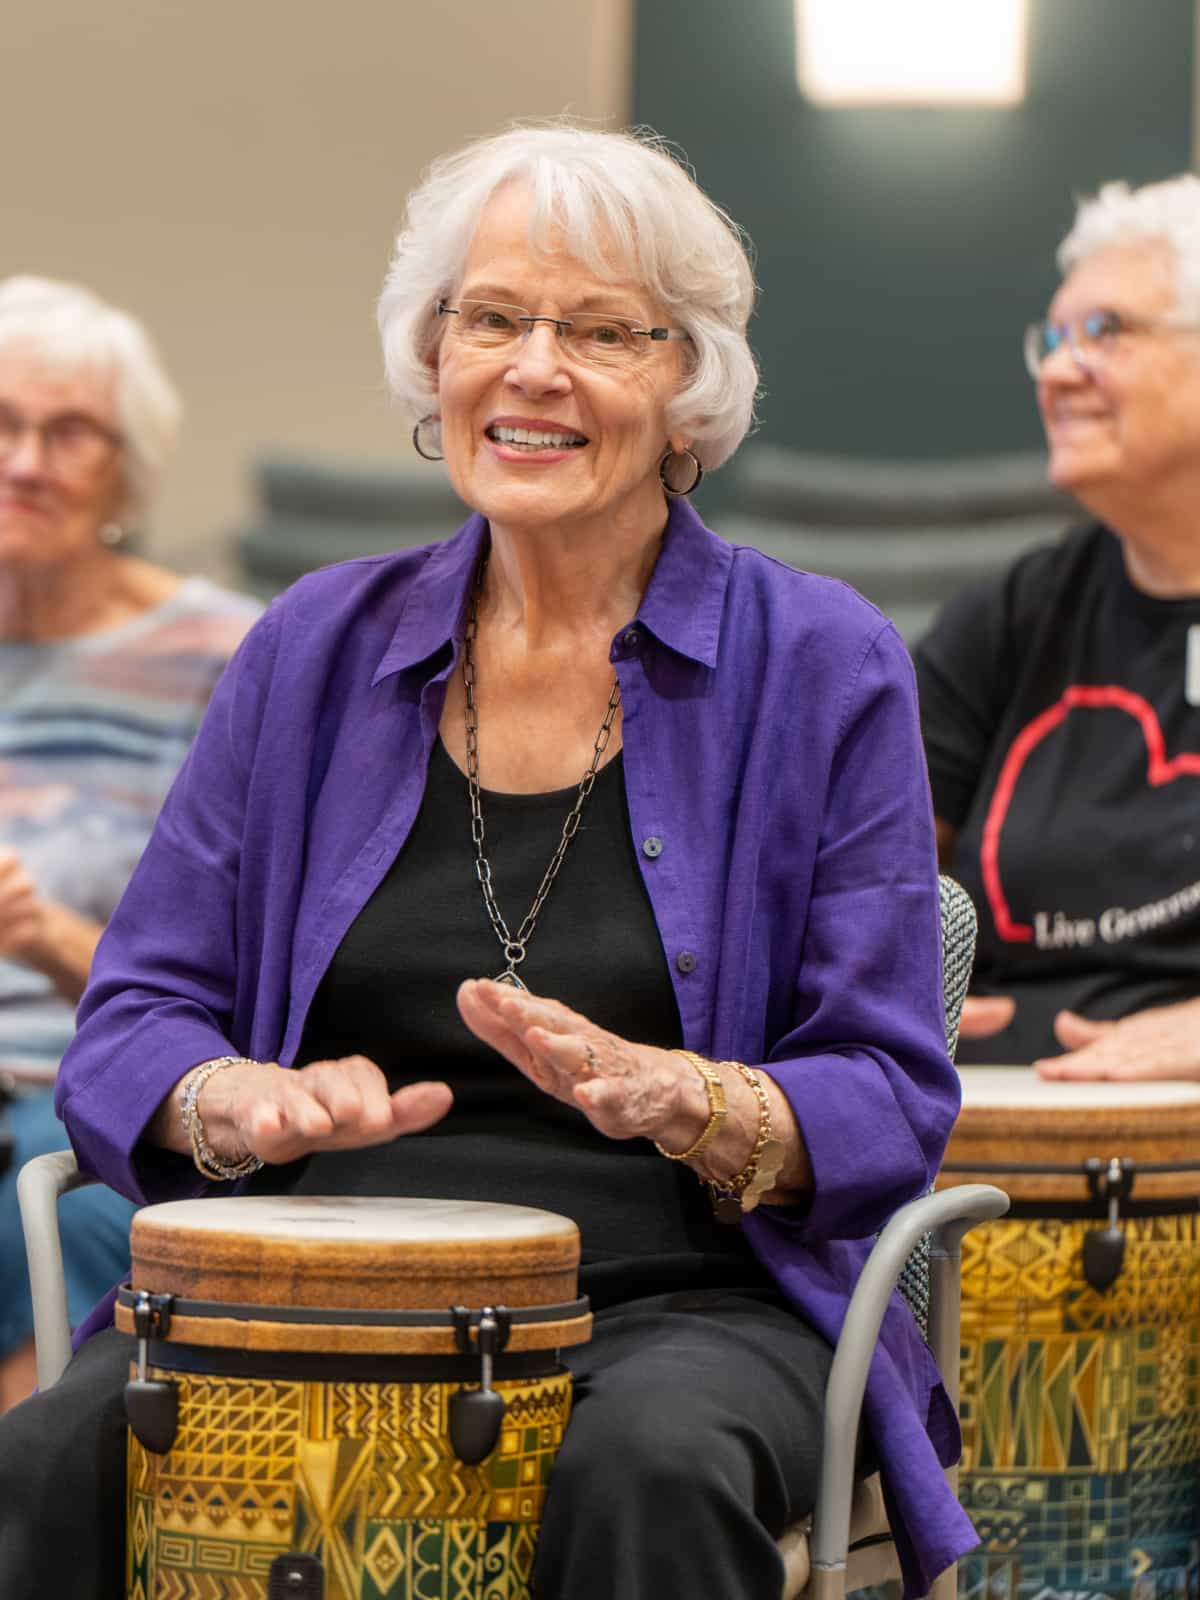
x=427 y=455
x=664 y=470
x=112 y=534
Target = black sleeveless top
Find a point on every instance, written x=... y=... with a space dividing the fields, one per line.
x=646 y=1223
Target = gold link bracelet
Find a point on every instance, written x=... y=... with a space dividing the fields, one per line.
x=741 y=1193
x=717 y=1108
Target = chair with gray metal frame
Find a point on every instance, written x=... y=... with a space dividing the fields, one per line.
x=846 y=1544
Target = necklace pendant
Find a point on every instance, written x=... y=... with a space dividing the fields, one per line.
x=510 y=977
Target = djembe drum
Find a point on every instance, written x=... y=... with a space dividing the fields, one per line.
x=350 y=1399
x=1081 y=1337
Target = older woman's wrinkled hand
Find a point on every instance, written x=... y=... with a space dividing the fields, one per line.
x=280 y=1114
x=625 y=1090
x=1163 y=1042
x=630 y=1091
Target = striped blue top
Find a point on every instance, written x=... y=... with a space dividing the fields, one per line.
x=92 y=732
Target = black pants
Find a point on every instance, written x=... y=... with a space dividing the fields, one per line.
x=694 y=1440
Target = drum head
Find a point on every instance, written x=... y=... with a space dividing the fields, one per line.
x=354 y=1252
x=1020 y=1131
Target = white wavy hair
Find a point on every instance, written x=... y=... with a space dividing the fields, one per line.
x=627 y=208
x=70 y=329
x=1167 y=213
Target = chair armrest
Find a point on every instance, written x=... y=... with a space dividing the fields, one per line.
x=40 y=1182
x=947 y=1216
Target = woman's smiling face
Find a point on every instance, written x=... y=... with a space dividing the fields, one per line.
x=598 y=431
x=1121 y=422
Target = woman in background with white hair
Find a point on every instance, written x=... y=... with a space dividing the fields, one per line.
x=106 y=662
x=579 y=861
x=1061 y=703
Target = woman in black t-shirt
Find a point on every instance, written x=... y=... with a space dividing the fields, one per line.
x=1061 y=704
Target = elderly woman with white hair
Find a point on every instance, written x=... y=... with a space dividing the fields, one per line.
x=106 y=663
x=1061 y=703
x=581 y=861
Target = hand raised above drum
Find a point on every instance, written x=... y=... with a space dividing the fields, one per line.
x=279 y=1114
x=1162 y=1042
x=626 y=1090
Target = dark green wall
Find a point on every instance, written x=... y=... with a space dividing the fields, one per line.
x=901 y=251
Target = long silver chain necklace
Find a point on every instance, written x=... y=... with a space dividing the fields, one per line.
x=514 y=945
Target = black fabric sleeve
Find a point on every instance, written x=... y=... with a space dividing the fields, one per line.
x=963 y=681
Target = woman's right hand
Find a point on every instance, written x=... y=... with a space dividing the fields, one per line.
x=279 y=1113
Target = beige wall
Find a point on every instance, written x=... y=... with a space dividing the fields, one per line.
x=233 y=172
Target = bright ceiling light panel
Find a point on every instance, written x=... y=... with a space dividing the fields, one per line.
x=911 y=52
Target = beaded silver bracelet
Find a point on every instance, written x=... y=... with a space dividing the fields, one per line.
x=206 y=1159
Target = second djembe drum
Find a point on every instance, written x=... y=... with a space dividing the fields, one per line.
x=1081 y=1338
x=350 y=1399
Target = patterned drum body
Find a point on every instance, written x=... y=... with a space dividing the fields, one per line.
x=1080 y=1404
x=331 y=1438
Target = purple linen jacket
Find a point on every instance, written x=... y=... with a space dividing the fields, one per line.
x=771 y=746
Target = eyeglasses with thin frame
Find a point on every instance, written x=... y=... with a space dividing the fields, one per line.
x=1091 y=339
x=73 y=444
x=594 y=338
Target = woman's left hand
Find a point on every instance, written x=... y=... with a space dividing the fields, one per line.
x=1163 y=1042
x=626 y=1091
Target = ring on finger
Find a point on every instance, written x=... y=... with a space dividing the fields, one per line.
x=591 y=1064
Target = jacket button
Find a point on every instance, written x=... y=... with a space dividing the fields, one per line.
x=631 y=638
x=652 y=846
x=686 y=961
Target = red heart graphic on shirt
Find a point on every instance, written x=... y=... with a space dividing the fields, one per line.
x=1158 y=771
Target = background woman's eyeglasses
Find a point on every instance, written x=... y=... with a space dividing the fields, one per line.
x=73 y=445
x=594 y=338
x=1091 y=339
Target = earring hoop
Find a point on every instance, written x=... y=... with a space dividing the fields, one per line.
x=663 y=471
x=425 y=455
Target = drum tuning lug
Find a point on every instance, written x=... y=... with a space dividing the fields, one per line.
x=152 y=1404
x=499 y=1320
x=475 y=1415
x=1103 y=1257
x=1110 y=1180
x=1104 y=1248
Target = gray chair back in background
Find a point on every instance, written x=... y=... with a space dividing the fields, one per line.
x=906 y=534
x=312 y=512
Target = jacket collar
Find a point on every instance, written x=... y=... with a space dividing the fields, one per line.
x=685 y=598
x=682 y=606
x=434 y=613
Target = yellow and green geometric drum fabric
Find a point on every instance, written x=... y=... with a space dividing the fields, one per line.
x=1081 y=1412
x=361 y=1475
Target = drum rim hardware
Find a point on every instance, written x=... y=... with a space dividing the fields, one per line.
x=1104 y=1248
x=379 y=1331
x=152 y=1404
x=517 y=1316
x=474 y=1414
x=1109 y=1183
